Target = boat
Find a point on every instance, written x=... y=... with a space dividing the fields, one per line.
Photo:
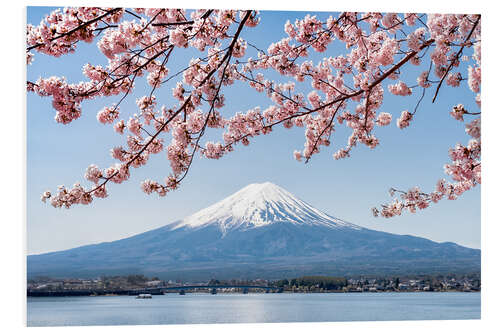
x=144 y=296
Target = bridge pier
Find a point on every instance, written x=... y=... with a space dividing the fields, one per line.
x=213 y=288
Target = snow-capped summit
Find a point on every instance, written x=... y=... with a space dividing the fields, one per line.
x=258 y=205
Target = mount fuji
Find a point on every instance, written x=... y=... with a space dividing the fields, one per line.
x=261 y=231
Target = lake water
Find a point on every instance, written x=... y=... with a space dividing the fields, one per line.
x=250 y=308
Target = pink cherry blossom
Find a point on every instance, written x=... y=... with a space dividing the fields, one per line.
x=400 y=89
x=404 y=119
x=120 y=126
x=458 y=112
x=384 y=119
x=108 y=115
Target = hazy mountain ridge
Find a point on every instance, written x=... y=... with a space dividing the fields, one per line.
x=261 y=229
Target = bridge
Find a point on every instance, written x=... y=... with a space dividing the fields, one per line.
x=213 y=288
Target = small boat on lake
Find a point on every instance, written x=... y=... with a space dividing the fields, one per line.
x=144 y=296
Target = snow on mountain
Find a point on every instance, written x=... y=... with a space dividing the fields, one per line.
x=258 y=205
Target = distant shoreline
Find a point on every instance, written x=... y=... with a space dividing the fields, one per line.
x=95 y=293
x=133 y=285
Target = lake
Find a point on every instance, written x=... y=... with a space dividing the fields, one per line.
x=251 y=308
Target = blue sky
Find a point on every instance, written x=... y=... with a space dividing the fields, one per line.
x=59 y=154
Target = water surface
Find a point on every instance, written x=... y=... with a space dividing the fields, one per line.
x=250 y=308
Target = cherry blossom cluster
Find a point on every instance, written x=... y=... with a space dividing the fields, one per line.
x=400 y=89
x=345 y=89
x=60 y=31
x=404 y=120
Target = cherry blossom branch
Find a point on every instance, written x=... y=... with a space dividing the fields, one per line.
x=83 y=25
x=345 y=97
x=204 y=16
x=227 y=59
x=455 y=58
x=328 y=126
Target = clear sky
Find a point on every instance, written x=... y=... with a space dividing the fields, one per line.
x=347 y=189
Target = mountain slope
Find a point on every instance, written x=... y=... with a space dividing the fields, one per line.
x=260 y=231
